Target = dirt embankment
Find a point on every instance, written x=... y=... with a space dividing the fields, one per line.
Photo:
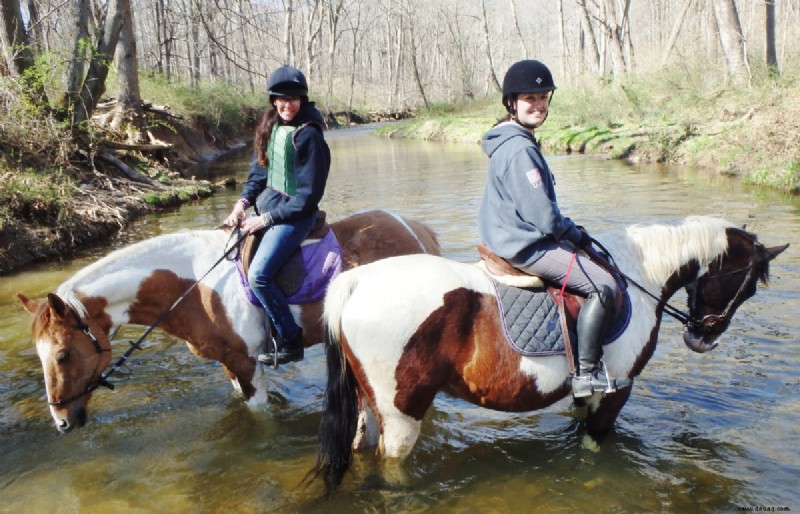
x=116 y=183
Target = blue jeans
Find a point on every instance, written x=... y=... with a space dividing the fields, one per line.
x=275 y=248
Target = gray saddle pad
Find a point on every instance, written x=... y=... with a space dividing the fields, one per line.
x=531 y=321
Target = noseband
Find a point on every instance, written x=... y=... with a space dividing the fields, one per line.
x=705 y=324
x=101 y=381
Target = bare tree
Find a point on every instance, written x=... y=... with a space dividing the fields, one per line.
x=76 y=65
x=95 y=82
x=522 y=40
x=488 y=45
x=129 y=100
x=731 y=40
x=676 y=29
x=770 y=56
x=14 y=38
x=588 y=30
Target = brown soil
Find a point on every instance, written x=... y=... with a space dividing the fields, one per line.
x=107 y=199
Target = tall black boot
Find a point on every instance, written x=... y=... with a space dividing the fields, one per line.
x=592 y=323
x=284 y=352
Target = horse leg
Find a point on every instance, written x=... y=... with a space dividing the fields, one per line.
x=601 y=417
x=399 y=434
x=367 y=430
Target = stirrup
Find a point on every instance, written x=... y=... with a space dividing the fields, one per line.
x=285 y=354
x=588 y=384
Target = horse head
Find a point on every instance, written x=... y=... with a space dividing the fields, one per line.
x=727 y=282
x=73 y=358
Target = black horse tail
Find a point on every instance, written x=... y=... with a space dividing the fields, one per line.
x=339 y=420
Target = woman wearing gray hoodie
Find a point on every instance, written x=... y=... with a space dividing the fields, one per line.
x=520 y=221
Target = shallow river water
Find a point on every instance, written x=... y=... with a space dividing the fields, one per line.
x=717 y=432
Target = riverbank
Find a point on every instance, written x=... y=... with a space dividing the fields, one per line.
x=752 y=134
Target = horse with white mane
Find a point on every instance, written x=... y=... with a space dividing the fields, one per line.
x=140 y=283
x=402 y=329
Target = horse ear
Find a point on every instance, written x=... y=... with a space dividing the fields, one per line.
x=30 y=305
x=775 y=251
x=57 y=305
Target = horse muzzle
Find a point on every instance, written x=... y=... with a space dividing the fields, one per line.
x=700 y=343
x=73 y=418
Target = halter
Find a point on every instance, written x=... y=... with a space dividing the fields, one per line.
x=81 y=325
x=690 y=321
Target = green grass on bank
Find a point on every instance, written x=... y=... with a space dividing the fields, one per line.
x=672 y=116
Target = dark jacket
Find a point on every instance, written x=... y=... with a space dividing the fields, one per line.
x=519 y=207
x=312 y=162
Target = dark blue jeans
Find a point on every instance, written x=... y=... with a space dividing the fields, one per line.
x=275 y=248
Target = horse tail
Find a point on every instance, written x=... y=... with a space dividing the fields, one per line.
x=338 y=426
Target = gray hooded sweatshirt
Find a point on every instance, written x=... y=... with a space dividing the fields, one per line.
x=519 y=208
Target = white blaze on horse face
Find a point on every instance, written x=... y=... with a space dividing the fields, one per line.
x=45 y=349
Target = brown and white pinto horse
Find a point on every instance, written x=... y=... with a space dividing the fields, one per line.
x=137 y=284
x=403 y=329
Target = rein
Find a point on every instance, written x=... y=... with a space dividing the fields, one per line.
x=689 y=321
x=80 y=324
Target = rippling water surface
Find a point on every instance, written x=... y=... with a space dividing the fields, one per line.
x=701 y=433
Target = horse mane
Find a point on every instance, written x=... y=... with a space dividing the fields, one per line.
x=663 y=249
x=121 y=259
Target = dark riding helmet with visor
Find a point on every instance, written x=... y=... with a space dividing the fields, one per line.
x=287 y=81
x=526 y=76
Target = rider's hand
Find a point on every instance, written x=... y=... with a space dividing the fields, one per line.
x=236 y=215
x=586 y=239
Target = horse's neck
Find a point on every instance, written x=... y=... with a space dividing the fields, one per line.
x=117 y=278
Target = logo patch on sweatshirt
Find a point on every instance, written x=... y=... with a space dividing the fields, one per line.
x=534 y=177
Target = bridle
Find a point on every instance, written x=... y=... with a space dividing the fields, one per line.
x=102 y=380
x=690 y=320
x=705 y=324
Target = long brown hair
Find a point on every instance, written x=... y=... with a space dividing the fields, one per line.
x=263 y=131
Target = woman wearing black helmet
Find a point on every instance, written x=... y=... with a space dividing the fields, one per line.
x=520 y=220
x=285 y=185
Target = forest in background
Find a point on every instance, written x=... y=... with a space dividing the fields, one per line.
x=106 y=105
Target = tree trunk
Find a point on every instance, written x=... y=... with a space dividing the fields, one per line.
x=522 y=40
x=288 y=50
x=769 y=31
x=415 y=67
x=562 y=39
x=614 y=32
x=732 y=40
x=14 y=38
x=676 y=29
x=588 y=27
x=488 y=45
x=129 y=99
x=75 y=68
x=95 y=83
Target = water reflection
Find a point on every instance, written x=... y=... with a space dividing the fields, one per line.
x=707 y=433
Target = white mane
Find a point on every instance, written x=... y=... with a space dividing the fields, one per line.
x=157 y=251
x=663 y=249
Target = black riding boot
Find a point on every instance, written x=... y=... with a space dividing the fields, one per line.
x=592 y=324
x=284 y=352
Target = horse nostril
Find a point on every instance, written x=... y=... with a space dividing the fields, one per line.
x=63 y=426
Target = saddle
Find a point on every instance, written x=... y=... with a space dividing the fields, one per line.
x=520 y=299
x=305 y=275
x=251 y=241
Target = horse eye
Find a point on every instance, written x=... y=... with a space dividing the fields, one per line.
x=62 y=357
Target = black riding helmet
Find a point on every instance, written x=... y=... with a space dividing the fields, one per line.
x=527 y=76
x=287 y=81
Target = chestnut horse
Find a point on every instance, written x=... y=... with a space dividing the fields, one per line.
x=138 y=284
x=404 y=328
